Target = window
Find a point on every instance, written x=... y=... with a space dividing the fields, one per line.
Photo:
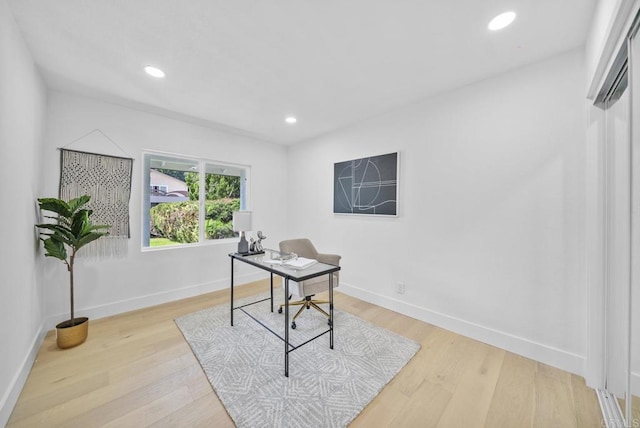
x=190 y=201
x=159 y=189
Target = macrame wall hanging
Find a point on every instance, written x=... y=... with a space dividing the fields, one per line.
x=107 y=179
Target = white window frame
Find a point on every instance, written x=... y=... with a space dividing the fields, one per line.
x=245 y=177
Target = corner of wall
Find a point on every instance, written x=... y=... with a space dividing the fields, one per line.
x=14 y=389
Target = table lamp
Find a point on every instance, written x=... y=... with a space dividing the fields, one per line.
x=242 y=223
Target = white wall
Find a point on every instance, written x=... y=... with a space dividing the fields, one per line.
x=22 y=107
x=490 y=237
x=145 y=278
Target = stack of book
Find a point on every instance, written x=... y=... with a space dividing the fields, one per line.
x=297 y=263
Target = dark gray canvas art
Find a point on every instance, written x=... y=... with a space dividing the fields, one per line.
x=366 y=186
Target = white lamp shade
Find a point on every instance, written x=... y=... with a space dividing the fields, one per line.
x=241 y=221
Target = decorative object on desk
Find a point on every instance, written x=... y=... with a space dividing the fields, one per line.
x=367 y=186
x=261 y=237
x=325 y=388
x=255 y=247
x=242 y=223
x=73 y=229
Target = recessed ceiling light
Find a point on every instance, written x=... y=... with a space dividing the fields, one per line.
x=154 y=71
x=501 y=21
x=290 y=120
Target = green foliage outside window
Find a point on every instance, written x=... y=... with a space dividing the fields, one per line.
x=216 y=186
x=178 y=221
x=222 y=186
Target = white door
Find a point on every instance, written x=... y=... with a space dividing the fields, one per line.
x=618 y=166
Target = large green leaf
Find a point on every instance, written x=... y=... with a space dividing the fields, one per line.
x=76 y=203
x=55 y=248
x=79 y=222
x=88 y=238
x=57 y=229
x=55 y=205
x=62 y=239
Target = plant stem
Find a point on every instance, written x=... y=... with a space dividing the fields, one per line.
x=72 y=259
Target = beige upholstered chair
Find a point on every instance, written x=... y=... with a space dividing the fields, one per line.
x=307 y=289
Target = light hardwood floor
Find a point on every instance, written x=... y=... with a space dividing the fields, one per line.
x=136 y=370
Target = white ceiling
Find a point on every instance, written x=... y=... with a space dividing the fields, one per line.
x=244 y=65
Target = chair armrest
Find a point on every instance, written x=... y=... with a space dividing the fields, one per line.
x=330 y=259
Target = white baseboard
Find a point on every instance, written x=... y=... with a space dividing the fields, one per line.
x=115 y=308
x=537 y=351
x=635 y=384
x=10 y=397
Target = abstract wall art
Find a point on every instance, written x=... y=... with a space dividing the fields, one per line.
x=367 y=186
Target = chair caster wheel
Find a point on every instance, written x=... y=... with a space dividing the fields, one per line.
x=293 y=325
x=279 y=310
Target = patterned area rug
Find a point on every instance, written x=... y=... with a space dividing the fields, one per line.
x=325 y=388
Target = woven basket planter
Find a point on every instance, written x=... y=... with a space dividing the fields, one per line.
x=69 y=336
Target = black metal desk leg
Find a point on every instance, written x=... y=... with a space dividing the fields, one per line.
x=232 y=291
x=271 y=291
x=331 y=310
x=286 y=327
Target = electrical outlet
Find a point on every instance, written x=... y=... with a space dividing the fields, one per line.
x=400 y=287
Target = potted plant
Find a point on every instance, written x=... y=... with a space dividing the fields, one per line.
x=62 y=240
